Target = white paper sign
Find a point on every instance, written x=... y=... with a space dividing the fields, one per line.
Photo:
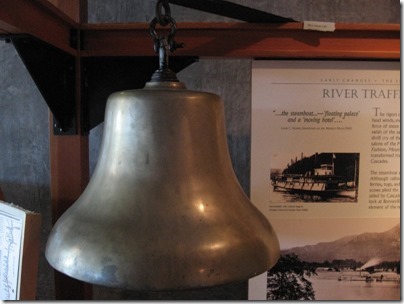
x=319 y=26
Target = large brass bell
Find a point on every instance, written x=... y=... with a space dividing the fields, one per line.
x=163 y=209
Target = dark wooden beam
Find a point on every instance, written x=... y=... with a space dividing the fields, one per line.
x=74 y=9
x=40 y=19
x=243 y=40
x=246 y=40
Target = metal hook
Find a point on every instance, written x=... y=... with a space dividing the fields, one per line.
x=164 y=44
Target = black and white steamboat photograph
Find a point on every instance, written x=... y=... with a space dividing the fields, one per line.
x=317 y=177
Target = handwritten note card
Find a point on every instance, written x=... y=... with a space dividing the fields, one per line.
x=10 y=254
x=19 y=235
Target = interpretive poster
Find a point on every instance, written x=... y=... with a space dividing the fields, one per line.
x=325 y=170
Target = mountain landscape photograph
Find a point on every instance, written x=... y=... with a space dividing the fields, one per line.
x=363 y=247
x=353 y=259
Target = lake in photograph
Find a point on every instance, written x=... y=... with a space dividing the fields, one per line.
x=327 y=287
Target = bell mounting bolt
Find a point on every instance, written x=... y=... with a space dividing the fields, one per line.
x=163 y=45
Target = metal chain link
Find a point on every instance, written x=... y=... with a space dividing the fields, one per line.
x=163 y=18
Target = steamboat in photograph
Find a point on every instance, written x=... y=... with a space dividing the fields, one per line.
x=318 y=177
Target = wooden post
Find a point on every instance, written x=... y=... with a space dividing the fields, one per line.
x=69 y=159
x=69 y=177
